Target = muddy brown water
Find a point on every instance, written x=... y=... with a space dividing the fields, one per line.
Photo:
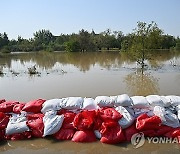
x=88 y=75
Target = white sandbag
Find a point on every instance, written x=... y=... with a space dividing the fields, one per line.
x=104 y=101
x=166 y=101
x=127 y=118
x=175 y=100
x=138 y=112
x=97 y=134
x=140 y=102
x=72 y=103
x=130 y=110
x=17 y=124
x=166 y=117
x=178 y=111
x=123 y=100
x=52 y=104
x=155 y=100
x=89 y=104
x=52 y=123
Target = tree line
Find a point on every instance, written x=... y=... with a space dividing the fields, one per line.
x=143 y=37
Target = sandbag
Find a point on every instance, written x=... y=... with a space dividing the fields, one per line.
x=64 y=134
x=4 y=119
x=52 y=123
x=97 y=134
x=111 y=133
x=84 y=120
x=140 y=102
x=19 y=136
x=144 y=122
x=178 y=111
x=72 y=103
x=89 y=104
x=167 y=117
x=68 y=118
x=17 y=124
x=18 y=108
x=52 y=104
x=2 y=135
x=34 y=106
x=138 y=112
x=163 y=129
x=175 y=100
x=7 y=107
x=36 y=126
x=84 y=136
x=123 y=100
x=109 y=114
x=34 y=116
x=166 y=101
x=127 y=118
x=155 y=100
x=104 y=101
x=130 y=131
x=173 y=133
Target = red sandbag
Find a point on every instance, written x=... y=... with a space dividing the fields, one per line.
x=112 y=133
x=68 y=118
x=97 y=122
x=173 y=133
x=163 y=130
x=2 y=101
x=34 y=116
x=18 y=108
x=84 y=120
x=144 y=122
x=2 y=135
x=19 y=136
x=4 y=119
x=149 y=133
x=130 y=131
x=36 y=126
x=7 y=107
x=34 y=106
x=64 y=134
x=84 y=136
x=109 y=114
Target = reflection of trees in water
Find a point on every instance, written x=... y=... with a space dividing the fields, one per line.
x=141 y=83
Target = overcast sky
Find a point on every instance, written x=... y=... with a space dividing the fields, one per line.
x=24 y=17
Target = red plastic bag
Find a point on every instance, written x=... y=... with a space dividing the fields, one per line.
x=34 y=106
x=84 y=120
x=130 y=131
x=163 y=130
x=64 y=134
x=19 y=136
x=84 y=136
x=109 y=114
x=68 y=118
x=4 y=119
x=2 y=101
x=36 y=126
x=144 y=122
x=173 y=133
x=7 y=107
x=112 y=133
x=34 y=116
x=18 y=108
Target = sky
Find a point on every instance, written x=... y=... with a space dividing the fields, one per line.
x=24 y=17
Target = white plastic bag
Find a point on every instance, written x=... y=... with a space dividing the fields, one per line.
x=127 y=118
x=104 y=101
x=166 y=117
x=123 y=100
x=89 y=104
x=175 y=100
x=17 y=124
x=52 y=104
x=52 y=123
x=72 y=103
x=140 y=102
x=155 y=100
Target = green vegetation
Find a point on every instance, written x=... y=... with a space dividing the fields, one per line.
x=144 y=37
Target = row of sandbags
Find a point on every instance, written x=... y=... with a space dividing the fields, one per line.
x=110 y=119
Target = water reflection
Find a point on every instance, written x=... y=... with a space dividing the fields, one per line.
x=142 y=83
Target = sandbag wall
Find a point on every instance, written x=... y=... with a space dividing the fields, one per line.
x=111 y=119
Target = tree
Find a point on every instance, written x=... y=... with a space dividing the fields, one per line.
x=3 y=40
x=72 y=46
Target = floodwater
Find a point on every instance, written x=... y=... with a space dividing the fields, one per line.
x=88 y=75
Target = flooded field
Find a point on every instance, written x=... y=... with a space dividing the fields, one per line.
x=87 y=75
